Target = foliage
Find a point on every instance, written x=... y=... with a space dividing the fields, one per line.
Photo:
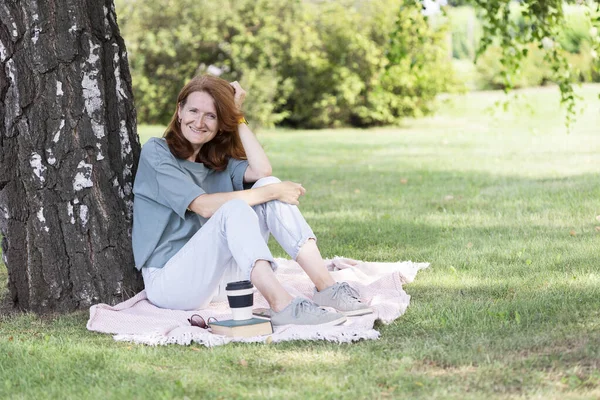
x=540 y=23
x=419 y=63
x=466 y=29
x=534 y=69
x=304 y=64
x=575 y=38
x=169 y=44
x=351 y=81
x=575 y=33
x=466 y=32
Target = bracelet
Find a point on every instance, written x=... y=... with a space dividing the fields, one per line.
x=242 y=120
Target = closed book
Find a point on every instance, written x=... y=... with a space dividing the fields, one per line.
x=243 y=328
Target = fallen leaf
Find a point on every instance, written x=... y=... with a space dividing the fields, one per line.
x=195 y=349
x=356 y=191
x=597 y=229
x=448 y=197
x=469 y=245
x=333 y=182
x=10 y=338
x=269 y=340
x=572 y=232
x=598 y=218
x=404 y=181
x=243 y=363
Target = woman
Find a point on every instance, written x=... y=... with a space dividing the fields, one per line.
x=204 y=207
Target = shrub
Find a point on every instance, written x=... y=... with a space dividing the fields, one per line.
x=169 y=44
x=304 y=63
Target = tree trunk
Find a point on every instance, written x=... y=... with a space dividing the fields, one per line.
x=69 y=150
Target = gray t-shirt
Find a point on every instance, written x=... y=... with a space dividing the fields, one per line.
x=164 y=188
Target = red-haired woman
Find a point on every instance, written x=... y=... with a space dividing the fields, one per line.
x=205 y=204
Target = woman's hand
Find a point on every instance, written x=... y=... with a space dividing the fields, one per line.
x=240 y=94
x=289 y=192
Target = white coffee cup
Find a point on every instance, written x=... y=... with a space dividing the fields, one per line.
x=241 y=299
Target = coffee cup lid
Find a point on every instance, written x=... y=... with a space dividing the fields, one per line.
x=239 y=285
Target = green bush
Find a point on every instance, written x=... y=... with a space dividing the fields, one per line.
x=420 y=69
x=534 y=70
x=582 y=65
x=170 y=43
x=345 y=75
x=304 y=63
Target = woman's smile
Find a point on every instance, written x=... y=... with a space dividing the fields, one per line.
x=199 y=120
x=197 y=130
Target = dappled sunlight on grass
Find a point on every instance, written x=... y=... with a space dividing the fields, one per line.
x=308 y=358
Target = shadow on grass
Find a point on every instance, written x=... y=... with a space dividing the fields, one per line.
x=502 y=228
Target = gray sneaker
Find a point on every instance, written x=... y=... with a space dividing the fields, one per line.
x=304 y=312
x=343 y=298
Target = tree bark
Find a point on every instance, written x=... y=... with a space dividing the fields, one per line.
x=69 y=151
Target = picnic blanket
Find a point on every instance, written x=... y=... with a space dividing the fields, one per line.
x=380 y=285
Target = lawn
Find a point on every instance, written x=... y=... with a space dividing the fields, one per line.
x=506 y=209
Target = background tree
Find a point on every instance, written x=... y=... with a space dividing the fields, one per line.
x=307 y=64
x=68 y=156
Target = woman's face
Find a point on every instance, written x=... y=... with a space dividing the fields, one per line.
x=199 y=123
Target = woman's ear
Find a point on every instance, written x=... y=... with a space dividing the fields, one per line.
x=179 y=112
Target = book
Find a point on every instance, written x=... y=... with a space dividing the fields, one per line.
x=243 y=328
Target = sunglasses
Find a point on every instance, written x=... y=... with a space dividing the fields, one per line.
x=197 y=320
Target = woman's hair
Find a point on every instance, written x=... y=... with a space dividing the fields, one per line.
x=226 y=144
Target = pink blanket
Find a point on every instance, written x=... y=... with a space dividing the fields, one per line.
x=380 y=285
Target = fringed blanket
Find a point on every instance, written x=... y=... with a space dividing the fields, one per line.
x=380 y=285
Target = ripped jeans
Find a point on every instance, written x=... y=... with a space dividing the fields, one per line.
x=224 y=250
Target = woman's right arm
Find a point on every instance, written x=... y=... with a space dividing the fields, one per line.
x=288 y=192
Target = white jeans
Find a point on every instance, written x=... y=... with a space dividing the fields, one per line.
x=224 y=250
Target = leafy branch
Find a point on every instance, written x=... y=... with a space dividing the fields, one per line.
x=541 y=23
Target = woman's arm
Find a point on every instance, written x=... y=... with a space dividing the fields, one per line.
x=258 y=162
x=288 y=192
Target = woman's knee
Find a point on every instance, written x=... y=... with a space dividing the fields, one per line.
x=235 y=204
x=237 y=207
x=267 y=180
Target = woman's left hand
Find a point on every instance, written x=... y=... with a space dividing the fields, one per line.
x=240 y=94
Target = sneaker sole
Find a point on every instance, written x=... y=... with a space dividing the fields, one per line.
x=356 y=313
x=335 y=322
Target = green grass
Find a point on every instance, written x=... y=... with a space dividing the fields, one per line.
x=504 y=207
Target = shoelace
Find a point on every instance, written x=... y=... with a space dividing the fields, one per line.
x=344 y=288
x=303 y=305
